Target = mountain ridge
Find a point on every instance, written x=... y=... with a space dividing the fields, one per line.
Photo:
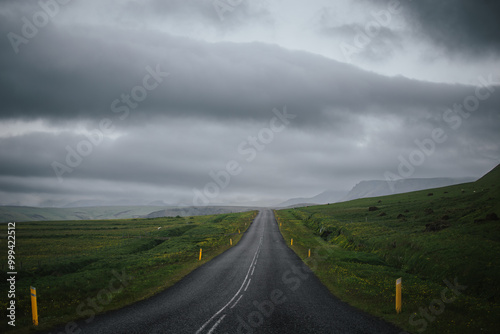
x=375 y=188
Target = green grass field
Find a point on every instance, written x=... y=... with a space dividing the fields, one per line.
x=71 y=261
x=425 y=237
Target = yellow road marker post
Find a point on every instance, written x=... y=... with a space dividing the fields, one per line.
x=309 y=254
x=231 y=242
x=200 y=254
x=398 y=295
x=291 y=242
x=34 y=306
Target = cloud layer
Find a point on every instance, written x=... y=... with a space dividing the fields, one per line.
x=129 y=100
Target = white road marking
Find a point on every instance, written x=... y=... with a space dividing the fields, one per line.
x=236 y=302
x=253 y=269
x=235 y=295
x=216 y=324
x=248 y=284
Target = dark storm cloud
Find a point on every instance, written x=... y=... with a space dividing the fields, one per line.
x=350 y=124
x=78 y=74
x=460 y=26
x=217 y=14
x=386 y=43
x=145 y=156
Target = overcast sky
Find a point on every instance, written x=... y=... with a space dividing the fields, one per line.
x=207 y=102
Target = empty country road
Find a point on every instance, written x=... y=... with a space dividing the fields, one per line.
x=258 y=286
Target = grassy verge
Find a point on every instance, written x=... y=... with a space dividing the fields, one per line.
x=424 y=237
x=112 y=262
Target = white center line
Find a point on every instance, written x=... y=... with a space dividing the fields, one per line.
x=237 y=301
x=235 y=295
x=216 y=324
x=248 y=284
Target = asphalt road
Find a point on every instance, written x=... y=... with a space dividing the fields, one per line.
x=257 y=286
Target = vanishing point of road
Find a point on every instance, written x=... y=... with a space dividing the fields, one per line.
x=258 y=286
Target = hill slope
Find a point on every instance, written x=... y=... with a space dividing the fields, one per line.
x=382 y=188
x=26 y=213
x=329 y=196
x=430 y=237
x=198 y=211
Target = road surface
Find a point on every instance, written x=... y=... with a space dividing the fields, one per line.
x=258 y=286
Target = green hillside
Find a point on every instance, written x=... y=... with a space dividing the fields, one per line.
x=359 y=248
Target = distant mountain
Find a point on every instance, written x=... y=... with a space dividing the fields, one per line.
x=84 y=204
x=329 y=196
x=87 y=203
x=158 y=203
x=381 y=188
x=26 y=213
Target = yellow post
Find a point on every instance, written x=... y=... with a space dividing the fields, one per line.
x=33 y=306
x=200 y=254
x=280 y=224
x=231 y=242
x=239 y=231
x=398 y=295
x=291 y=242
x=309 y=255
